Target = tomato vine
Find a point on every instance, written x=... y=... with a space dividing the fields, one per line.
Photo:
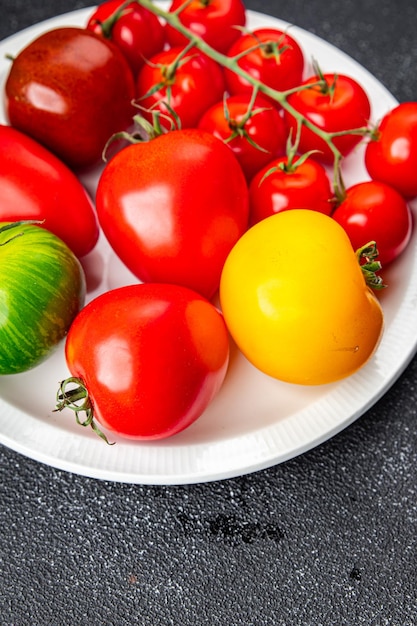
x=281 y=97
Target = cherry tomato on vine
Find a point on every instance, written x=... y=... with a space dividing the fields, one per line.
x=341 y=105
x=295 y=299
x=374 y=211
x=137 y=32
x=76 y=98
x=173 y=207
x=36 y=185
x=154 y=372
x=187 y=85
x=392 y=157
x=290 y=184
x=42 y=290
x=256 y=134
x=215 y=21
x=268 y=55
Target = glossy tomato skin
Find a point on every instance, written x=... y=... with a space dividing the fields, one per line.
x=279 y=67
x=43 y=289
x=345 y=107
x=71 y=90
x=265 y=128
x=151 y=374
x=295 y=300
x=175 y=223
x=215 y=21
x=36 y=185
x=374 y=211
x=392 y=157
x=137 y=32
x=196 y=84
x=299 y=186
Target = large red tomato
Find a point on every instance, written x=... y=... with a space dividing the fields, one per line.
x=36 y=185
x=149 y=358
x=71 y=90
x=340 y=106
x=173 y=207
x=213 y=20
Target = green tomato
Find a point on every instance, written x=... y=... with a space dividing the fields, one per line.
x=42 y=288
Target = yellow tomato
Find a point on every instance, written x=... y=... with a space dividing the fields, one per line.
x=296 y=302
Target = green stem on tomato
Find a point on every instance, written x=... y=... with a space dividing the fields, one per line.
x=367 y=257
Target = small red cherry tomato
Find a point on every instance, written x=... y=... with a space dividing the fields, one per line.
x=214 y=21
x=256 y=134
x=148 y=358
x=341 y=106
x=186 y=85
x=392 y=157
x=137 y=32
x=374 y=211
x=299 y=184
x=269 y=55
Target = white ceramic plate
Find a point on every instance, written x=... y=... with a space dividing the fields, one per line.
x=255 y=422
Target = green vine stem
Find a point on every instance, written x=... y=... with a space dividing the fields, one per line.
x=281 y=97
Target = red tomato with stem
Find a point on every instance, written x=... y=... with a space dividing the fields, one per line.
x=374 y=211
x=184 y=83
x=287 y=183
x=154 y=372
x=36 y=185
x=75 y=98
x=268 y=55
x=173 y=207
x=338 y=106
x=254 y=131
x=392 y=157
x=136 y=31
x=214 y=21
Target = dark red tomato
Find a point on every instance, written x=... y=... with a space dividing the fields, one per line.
x=188 y=86
x=392 y=158
x=137 y=32
x=278 y=61
x=71 y=90
x=289 y=185
x=341 y=106
x=153 y=373
x=213 y=20
x=374 y=211
x=172 y=208
x=36 y=185
x=256 y=135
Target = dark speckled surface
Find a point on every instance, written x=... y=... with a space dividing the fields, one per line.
x=327 y=539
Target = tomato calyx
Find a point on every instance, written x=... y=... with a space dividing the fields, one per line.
x=78 y=400
x=367 y=257
x=238 y=128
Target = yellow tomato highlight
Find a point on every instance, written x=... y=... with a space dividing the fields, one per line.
x=296 y=302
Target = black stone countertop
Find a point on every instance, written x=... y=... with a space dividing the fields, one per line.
x=325 y=539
